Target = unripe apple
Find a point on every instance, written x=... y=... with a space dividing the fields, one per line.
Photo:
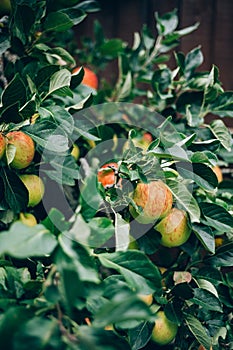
x=2 y=145
x=155 y=200
x=25 y=149
x=35 y=187
x=90 y=78
x=27 y=219
x=174 y=228
x=164 y=330
x=75 y=152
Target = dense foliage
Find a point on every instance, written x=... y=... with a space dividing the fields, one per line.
x=80 y=276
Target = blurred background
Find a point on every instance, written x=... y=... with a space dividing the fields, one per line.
x=122 y=18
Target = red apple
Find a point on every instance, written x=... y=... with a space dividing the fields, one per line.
x=90 y=78
x=154 y=198
x=24 y=149
x=2 y=145
x=174 y=228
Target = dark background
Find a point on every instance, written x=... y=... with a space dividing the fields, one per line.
x=121 y=18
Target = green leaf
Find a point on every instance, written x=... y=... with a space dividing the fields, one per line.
x=193 y=60
x=205 y=235
x=39 y=333
x=57 y=21
x=206 y=299
x=15 y=91
x=201 y=174
x=185 y=199
x=198 y=331
x=122 y=229
x=58 y=81
x=223 y=256
x=140 y=335
x=140 y=273
x=102 y=230
x=90 y=199
x=16 y=194
x=111 y=48
x=222 y=105
x=167 y=23
x=22 y=241
x=78 y=257
x=217 y=217
x=222 y=133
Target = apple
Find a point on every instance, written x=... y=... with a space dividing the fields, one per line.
x=174 y=228
x=107 y=174
x=75 y=152
x=90 y=78
x=27 y=219
x=218 y=172
x=147 y=298
x=25 y=149
x=154 y=198
x=2 y=145
x=164 y=330
x=5 y=7
x=35 y=187
x=142 y=142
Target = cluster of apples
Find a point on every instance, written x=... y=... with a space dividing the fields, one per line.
x=17 y=149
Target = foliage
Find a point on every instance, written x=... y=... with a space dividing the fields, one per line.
x=74 y=280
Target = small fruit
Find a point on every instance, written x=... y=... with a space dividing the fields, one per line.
x=107 y=174
x=154 y=198
x=25 y=149
x=35 y=187
x=2 y=145
x=142 y=142
x=174 y=228
x=90 y=78
x=164 y=330
x=27 y=219
x=75 y=151
x=147 y=298
x=218 y=172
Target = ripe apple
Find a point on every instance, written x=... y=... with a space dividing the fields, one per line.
x=25 y=149
x=164 y=330
x=5 y=7
x=75 y=152
x=218 y=172
x=35 y=187
x=27 y=219
x=90 y=78
x=107 y=174
x=2 y=145
x=154 y=198
x=174 y=228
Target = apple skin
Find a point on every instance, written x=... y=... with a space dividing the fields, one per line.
x=106 y=174
x=164 y=330
x=5 y=7
x=25 y=149
x=154 y=198
x=90 y=78
x=147 y=298
x=35 y=187
x=2 y=145
x=75 y=152
x=174 y=228
x=27 y=219
x=218 y=172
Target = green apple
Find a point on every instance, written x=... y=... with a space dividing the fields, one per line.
x=27 y=219
x=35 y=187
x=154 y=198
x=164 y=330
x=5 y=7
x=2 y=145
x=24 y=149
x=174 y=228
